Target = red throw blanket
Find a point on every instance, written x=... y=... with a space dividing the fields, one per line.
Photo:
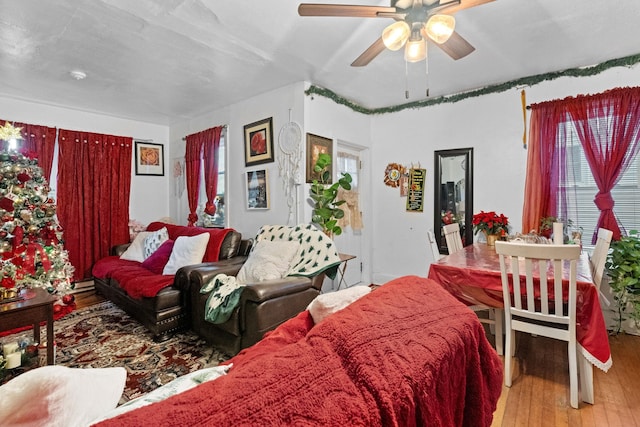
x=405 y=354
x=139 y=282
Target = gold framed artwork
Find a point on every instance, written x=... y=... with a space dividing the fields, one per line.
x=149 y=158
x=317 y=145
x=258 y=142
x=257 y=189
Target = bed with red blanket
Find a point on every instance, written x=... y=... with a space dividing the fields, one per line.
x=405 y=354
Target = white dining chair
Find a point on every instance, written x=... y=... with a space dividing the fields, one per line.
x=435 y=250
x=452 y=237
x=494 y=315
x=547 y=314
x=598 y=258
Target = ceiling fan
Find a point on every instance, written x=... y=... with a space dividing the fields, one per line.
x=416 y=20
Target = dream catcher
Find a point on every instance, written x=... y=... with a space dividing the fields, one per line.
x=289 y=141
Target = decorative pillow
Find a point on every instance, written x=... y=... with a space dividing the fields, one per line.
x=269 y=260
x=326 y=304
x=154 y=240
x=157 y=260
x=60 y=396
x=135 y=251
x=186 y=251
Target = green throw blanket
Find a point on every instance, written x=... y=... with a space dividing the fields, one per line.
x=317 y=254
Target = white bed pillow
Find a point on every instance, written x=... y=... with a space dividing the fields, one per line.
x=60 y=396
x=135 y=251
x=326 y=304
x=154 y=241
x=187 y=250
x=269 y=260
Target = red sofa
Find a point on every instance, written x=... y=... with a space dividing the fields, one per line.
x=160 y=301
x=405 y=354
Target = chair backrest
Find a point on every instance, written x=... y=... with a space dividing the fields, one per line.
x=599 y=255
x=541 y=297
x=452 y=237
x=435 y=250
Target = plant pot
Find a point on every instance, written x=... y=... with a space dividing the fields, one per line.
x=491 y=239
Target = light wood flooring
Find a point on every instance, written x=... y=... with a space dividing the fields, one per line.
x=539 y=395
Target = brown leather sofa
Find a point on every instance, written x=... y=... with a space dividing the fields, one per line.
x=168 y=312
x=263 y=305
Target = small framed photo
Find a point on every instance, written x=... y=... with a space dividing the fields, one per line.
x=149 y=158
x=317 y=145
x=258 y=142
x=257 y=189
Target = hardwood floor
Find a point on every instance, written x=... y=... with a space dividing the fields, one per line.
x=539 y=395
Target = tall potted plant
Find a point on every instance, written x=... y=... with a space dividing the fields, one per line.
x=326 y=209
x=623 y=269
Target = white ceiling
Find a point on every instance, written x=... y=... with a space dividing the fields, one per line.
x=164 y=61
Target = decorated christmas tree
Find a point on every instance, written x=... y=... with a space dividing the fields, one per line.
x=32 y=254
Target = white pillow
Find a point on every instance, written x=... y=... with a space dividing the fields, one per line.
x=326 y=304
x=172 y=388
x=60 y=396
x=154 y=241
x=187 y=250
x=269 y=260
x=135 y=251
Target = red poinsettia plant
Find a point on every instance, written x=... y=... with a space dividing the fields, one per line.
x=490 y=223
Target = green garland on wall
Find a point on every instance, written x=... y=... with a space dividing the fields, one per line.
x=627 y=61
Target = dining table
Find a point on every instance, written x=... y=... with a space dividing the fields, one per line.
x=473 y=276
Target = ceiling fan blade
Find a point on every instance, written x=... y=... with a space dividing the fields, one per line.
x=368 y=55
x=464 y=4
x=456 y=47
x=315 y=9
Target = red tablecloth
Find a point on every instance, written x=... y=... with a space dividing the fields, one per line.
x=473 y=276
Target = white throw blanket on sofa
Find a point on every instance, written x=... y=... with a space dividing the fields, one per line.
x=316 y=253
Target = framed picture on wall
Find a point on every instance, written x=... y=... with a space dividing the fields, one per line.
x=257 y=183
x=317 y=145
x=149 y=158
x=258 y=142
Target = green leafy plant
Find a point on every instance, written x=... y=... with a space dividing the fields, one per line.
x=326 y=209
x=623 y=269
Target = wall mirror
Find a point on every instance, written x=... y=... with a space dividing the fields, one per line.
x=453 y=194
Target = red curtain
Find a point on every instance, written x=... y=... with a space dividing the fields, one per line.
x=543 y=164
x=608 y=125
x=192 y=173
x=94 y=181
x=210 y=154
x=39 y=139
x=205 y=144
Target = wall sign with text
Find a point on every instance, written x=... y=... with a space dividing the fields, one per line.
x=415 y=190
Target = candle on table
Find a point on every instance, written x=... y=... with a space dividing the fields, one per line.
x=13 y=360
x=558 y=236
x=9 y=348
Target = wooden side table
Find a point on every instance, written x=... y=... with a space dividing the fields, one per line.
x=34 y=308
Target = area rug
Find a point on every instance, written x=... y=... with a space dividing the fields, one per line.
x=103 y=336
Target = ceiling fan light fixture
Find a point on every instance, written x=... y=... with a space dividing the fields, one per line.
x=396 y=35
x=415 y=50
x=440 y=27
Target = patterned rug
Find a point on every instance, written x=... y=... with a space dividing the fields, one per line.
x=102 y=336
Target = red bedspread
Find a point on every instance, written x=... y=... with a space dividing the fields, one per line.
x=406 y=354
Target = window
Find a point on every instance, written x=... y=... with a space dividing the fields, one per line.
x=219 y=218
x=582 y=210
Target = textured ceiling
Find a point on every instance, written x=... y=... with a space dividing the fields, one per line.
x=164 y=61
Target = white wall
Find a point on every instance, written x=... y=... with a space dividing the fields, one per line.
x=148 y=200
x=493 y=126
x=276 y=104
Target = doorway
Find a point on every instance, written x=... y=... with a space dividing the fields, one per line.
x=352 y=241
